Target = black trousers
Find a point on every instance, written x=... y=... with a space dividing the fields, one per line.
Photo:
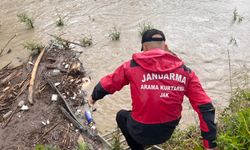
x=121 y=119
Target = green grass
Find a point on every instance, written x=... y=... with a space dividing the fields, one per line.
x=46 y=147
x=233 y=128
x=59 y=22
x=236 y=17
x=24 y=18
x=144 y=27
x=86 y=41
x=114 y=34
x=188 y=139
x=82 y=146
x=115 y=145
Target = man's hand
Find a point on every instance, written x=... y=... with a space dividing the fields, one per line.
x=91 y=102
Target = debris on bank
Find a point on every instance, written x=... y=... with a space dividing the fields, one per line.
x=43 y=102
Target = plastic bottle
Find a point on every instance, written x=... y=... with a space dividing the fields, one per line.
x=88 y=116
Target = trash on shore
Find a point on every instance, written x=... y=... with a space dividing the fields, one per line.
x=55 y=75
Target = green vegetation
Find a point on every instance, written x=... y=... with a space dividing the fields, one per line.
x=144 y=27
x=82 y=146
x=114 y=34
x=86 y=41
x=26 y=19
x=46 y=147
x=116 y=142
x=233 y=128
x=236 y=17
x=184 y=139
x=34 y=48
x=60 y=22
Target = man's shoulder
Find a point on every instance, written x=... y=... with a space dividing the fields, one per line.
x=186 y=68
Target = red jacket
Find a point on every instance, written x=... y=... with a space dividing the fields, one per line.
x=158 y=82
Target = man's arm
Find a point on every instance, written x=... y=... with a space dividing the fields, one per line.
x=110 y=84
x=202 y=104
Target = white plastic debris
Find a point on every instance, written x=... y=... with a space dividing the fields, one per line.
x=43 y=123
x=54 y=97
x=31 y=63
x=19 y=116
x=74 y=97
x=93 y=128
x=21 y=103
x=47 y=122
x=57 y=83
x=66 y=66
x=24 y=108
x=78 y=110
x=71 y=124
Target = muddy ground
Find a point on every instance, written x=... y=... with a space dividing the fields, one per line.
x=43 y=122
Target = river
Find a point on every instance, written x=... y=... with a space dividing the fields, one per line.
x=198 y=31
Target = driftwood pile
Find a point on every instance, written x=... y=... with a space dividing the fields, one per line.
x=54 y=80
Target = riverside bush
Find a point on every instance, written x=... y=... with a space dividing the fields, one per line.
x=233 y=128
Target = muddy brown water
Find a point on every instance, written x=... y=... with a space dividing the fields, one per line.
x=198 y=31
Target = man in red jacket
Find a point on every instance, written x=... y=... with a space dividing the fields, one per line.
x=158 y=81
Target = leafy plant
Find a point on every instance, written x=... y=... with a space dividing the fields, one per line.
x=86 y=41
x=236 y=17
x=114 y=34
x=233 y=128
x=24 y=18
x=82 y=146
x=144 y=27
x=46 y=147
x=184 y=139
x=60 y=22
x=234 y=124
x=116 y=142
x=236 y=133
x=34 y=48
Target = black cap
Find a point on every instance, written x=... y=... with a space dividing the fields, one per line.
x=148 y=36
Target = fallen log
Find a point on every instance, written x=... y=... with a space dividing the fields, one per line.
x=33 y=76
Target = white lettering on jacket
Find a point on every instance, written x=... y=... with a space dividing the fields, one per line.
x=169 y=76
x=161 y=87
